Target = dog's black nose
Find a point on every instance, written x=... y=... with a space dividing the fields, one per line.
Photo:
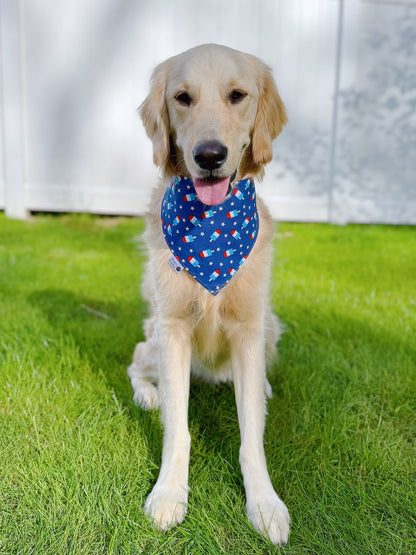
x=210 y=155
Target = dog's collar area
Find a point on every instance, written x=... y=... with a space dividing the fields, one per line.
x=210 y=242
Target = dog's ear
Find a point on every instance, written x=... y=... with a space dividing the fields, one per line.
x=270 y=118
x=155 y=116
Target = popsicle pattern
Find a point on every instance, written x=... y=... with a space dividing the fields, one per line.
x=211 y=242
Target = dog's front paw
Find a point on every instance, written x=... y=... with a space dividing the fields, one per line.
x=167 y=505
x=270 y=517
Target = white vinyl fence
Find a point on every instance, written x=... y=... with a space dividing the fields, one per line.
x=73 y=73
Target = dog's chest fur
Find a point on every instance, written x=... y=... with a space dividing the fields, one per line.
x=212 y=321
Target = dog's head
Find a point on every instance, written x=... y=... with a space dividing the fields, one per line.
x=212 y=114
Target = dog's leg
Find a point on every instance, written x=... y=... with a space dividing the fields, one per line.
x=143 y=371
x=265 y=510
x=143 y=375
x=167 y=503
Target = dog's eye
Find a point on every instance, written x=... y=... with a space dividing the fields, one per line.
x=236 y=96
x=183 y=98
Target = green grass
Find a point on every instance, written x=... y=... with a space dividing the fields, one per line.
x=77 y=458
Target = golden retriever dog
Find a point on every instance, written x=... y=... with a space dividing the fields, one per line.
x=212 y=114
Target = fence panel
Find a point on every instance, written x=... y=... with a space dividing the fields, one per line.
x=375 y=159
x=74 y=72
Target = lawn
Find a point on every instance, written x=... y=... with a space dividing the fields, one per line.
x=77 y=458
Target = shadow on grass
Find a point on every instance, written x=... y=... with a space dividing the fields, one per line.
x=105 y=335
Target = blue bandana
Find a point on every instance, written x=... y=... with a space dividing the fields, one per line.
x=209 y=242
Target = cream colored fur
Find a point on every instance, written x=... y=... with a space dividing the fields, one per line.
x=230 y=336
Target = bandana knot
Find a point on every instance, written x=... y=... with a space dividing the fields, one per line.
x=210 y=242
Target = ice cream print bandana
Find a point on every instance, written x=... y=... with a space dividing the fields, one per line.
x=209 y=242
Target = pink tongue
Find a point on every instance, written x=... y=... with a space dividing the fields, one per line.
x=212 y=193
